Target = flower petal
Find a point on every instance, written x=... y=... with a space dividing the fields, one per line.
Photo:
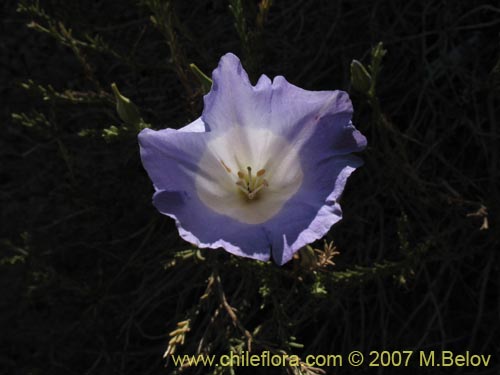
x=299 y=114
x=197 y=126
x=279 y=106
x=171 y=156
x=233 y=101
x=326 y=164
x=204 y=228
x=309 y=214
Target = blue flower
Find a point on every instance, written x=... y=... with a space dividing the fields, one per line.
x=261 y=171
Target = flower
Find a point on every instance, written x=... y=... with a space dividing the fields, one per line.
x=261 y=171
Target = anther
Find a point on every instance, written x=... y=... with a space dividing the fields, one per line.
x=250 y=184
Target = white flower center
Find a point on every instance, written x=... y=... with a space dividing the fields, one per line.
x=248 y=174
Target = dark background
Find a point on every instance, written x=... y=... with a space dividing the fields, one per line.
x=93 y=278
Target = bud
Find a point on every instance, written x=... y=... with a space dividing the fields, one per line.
x=127 y=110
x=360 y=78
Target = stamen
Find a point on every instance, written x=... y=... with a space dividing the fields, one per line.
x=251 y=184
x=242 y=187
